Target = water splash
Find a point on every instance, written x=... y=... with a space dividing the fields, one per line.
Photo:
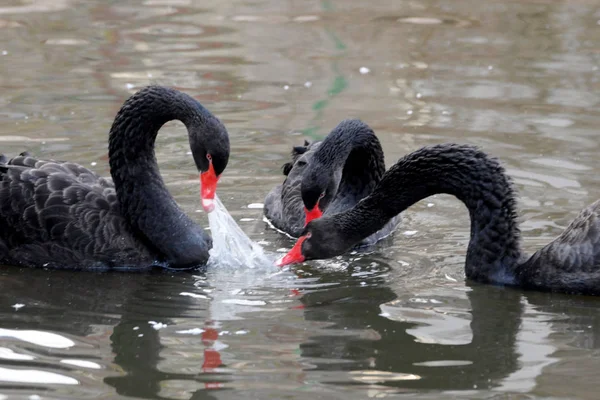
x=231 y=246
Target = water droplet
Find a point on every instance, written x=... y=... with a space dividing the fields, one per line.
x=286 y=87
x=4 y=52
x=409 y=112
x=130 y=86
x=18 y=306
x=490 y=67
x=93 y=163
x=419 y=95
x=364 y=70
x=307 y=84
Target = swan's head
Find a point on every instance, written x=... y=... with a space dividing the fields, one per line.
x=320 y=239
x=209 y=143
x=319 y=184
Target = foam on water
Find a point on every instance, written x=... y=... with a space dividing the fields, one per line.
x=231 y=246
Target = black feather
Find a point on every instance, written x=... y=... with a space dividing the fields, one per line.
x=62 y=215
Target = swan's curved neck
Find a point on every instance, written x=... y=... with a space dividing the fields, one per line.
x=354 y=152
x=462 y=171
x=347 y=136
x=133 y=133
x=143 y=197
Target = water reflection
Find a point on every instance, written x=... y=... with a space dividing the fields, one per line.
x=361 y=338
x=355 y=329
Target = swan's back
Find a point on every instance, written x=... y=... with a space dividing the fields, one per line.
x=571 y=261
x=60 y=214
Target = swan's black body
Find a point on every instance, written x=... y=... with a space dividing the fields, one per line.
x=62 y=215
x=571 y=263
x=346 y=166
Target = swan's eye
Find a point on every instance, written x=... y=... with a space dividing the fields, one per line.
x=308 y=235
x=208 y=157
x=301 y=163
x=322 y=195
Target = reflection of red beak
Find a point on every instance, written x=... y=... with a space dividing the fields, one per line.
x=212 y=358
x=294 y=256
x=312 y=214
x=208 y=183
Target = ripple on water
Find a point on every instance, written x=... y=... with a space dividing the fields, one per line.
x=39 y=338
x=43 y=341
x=35 y=376
x=436 y=320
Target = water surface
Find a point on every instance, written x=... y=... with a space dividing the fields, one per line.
x=519 y=78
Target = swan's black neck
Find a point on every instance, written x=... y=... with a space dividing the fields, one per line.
x=143 y=197
x=134 y=130
x=462 y=171
x=353 y=151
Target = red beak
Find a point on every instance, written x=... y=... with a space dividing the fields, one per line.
x=208 y=187
x=294 y=255
x=312 y=214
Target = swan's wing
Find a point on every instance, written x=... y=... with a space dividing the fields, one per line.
x=572 y=261
x=60 y=212
x=283 y=205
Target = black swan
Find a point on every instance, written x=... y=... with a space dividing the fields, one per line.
x=570 y=263
x=62 y=215
x=329 y=177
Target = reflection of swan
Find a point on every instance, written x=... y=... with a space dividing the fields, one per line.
x=570 y=263
x=329 y=177
x=478 y=348
x=534 y=348
x=60 y=214
x=453 y=317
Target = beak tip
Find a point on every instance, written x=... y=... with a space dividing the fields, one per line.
x=208 y=205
